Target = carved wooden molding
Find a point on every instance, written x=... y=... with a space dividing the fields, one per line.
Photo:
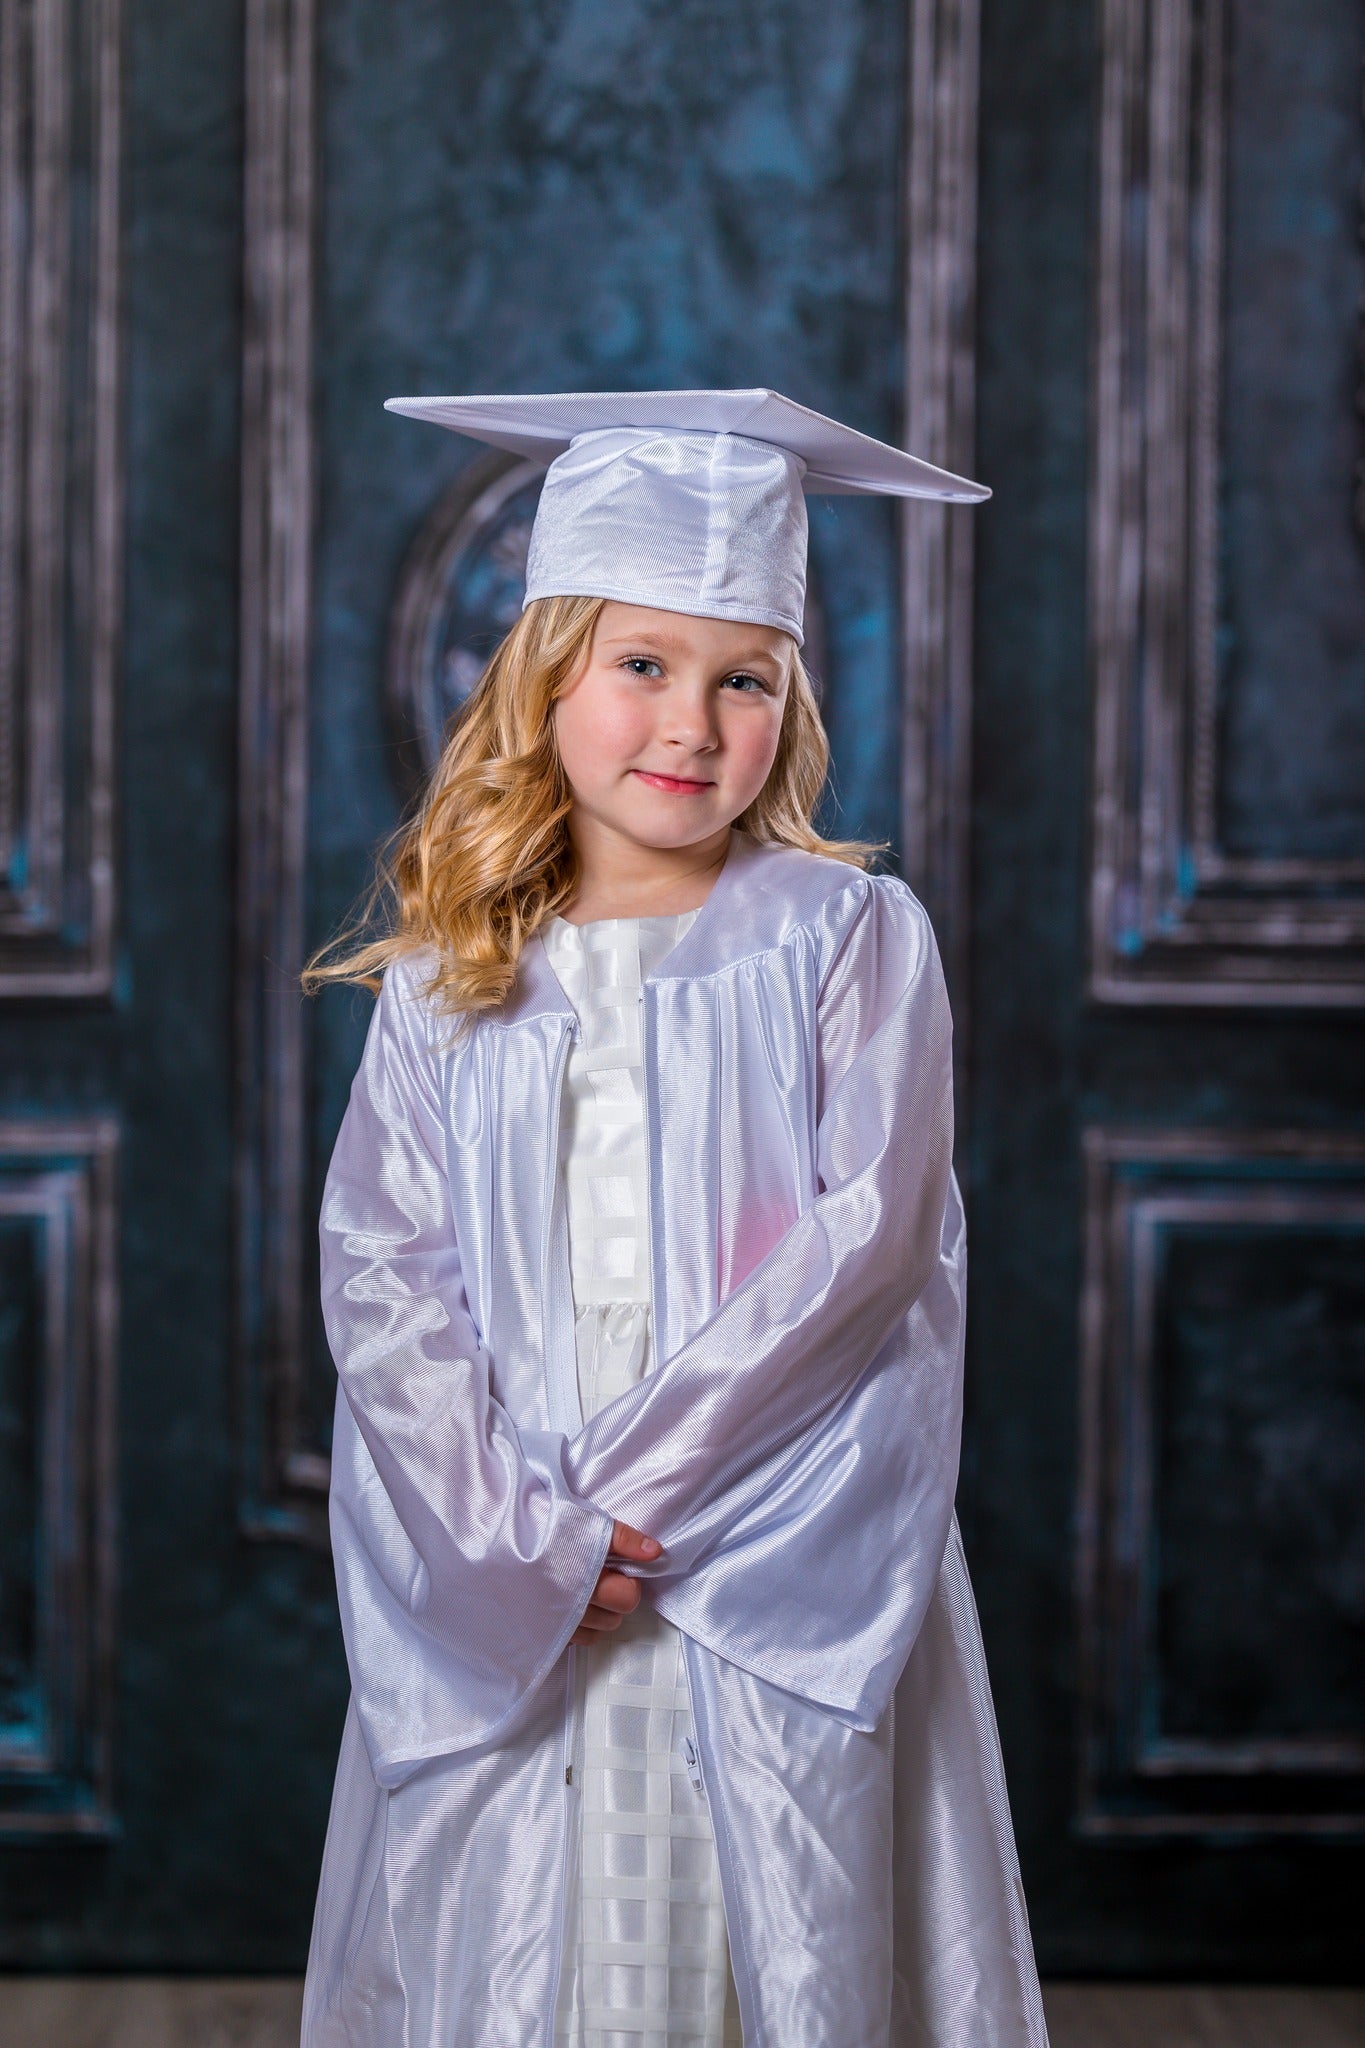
x=60 y=491
x=56 y=1755
x=1137 y=1779
x=940 y=407
x=284 y=1478
x=285 y=1475
x=1174 y=918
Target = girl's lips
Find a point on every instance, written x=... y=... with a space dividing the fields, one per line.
x=679 y=785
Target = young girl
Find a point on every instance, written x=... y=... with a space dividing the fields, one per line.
x=643 y=1269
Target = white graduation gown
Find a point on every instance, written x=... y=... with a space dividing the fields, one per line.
x=795 y=1449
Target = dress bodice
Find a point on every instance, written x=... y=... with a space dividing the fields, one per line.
x=602 y=966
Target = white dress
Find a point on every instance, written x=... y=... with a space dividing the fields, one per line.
x=646 y=1960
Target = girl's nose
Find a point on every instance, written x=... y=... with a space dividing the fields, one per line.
x=690 y=722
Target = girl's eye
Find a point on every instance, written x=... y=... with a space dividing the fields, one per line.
x=748 y=683
x=642 y=665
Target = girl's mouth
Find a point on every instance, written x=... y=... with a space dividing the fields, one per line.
x=678 y=785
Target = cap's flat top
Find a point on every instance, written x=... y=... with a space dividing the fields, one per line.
x=837 y=458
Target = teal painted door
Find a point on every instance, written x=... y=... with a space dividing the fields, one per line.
x=1123 y=760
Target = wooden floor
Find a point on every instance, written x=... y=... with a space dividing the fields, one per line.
x=161 y=2012
x=1157 y=2016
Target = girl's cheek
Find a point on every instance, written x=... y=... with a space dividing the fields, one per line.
x=617 y=727
x=752 y=748
x=594 y=728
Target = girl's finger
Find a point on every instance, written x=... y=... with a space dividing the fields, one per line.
x=628 y=1542
x=614 y=1591
x=599 y=1618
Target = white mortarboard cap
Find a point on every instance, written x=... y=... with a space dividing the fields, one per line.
x=689 y=501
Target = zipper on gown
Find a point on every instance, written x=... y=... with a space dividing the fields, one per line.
x=554 y=1252
x=737 y=1961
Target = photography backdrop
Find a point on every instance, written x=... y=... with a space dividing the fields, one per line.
x=1104 y=254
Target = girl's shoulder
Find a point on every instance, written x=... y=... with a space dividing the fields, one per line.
x=409 y=975
x=791 y=889
x=407 y=1005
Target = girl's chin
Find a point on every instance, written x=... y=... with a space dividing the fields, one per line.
x=669 y=834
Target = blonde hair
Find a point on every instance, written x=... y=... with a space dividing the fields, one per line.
x=487 y=858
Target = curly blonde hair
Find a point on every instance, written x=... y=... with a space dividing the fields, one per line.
x=487 y=856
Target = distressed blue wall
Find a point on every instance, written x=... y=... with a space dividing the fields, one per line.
x=532 y=194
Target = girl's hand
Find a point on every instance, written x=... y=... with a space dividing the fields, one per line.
x=615 y=1596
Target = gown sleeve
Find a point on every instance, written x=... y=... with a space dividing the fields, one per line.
x=464 y=1560
x=798 y=1455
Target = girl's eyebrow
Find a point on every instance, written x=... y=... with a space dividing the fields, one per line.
x=669 y=643
x=753 y=655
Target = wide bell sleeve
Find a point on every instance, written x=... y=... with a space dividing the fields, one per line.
x=798 y=1456
x=464 y=1559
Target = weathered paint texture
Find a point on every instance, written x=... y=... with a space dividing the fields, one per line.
x=555 y=192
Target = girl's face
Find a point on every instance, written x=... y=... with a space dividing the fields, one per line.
x=668 y=731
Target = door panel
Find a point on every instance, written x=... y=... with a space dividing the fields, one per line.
x=1168 y=1118
x=171 y=1696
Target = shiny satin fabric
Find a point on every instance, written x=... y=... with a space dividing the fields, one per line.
x=709 y=523
x=795 y=1450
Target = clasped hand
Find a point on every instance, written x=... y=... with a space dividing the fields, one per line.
x=615 y=1596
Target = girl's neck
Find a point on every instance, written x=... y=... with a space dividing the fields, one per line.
x=620 y=881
